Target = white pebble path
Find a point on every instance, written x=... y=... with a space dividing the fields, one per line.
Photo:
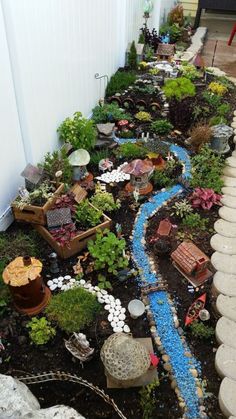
x=224 y=287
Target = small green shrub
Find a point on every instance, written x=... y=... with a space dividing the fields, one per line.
x=223 y=109
x=149 y=89
x=108 y=251
x=161 y=127
x=195 y=221
x=104 y=201
x=120 y=81
x=109 y=113
x=148 y=399
x=86 y=215
x=207 y=170
x=126 y=134
x=182 y=208
x=216 y=120
x=189 y=71
x=201 y=331
x=132 y=57
x=55 y=162
x=41 y=330
x=131 y=151
x=213 y=100
x=78 y=131
x=149 y=53
x=141 y=39
x=160 y=179
x=73 y=309
x=143 y=116
x=154 y=71
x=174 y=31
x=179 y=88
x=103 y=283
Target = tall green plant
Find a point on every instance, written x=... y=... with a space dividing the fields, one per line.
x=120 y=81
x=78 y=131
x=132 y=57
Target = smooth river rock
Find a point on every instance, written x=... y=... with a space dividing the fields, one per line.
x=17 y=402
x=226 y=332
x=231 y=161
x=224 y=263
x=229 y=171
x=222 y=244
x=229 y=201
x=229 y=190
x=228 y=214
x=225 y=228
x=226 y=306
x=224 y=284
x=225 y=361
x=229 y=181
x=227 y=399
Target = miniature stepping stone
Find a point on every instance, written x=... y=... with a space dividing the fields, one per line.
x=229 y=190
x=229 y=181
x=229 y=171
x=222 y=244
x=228 y=214
x=224 y=284
x=226 y=306
x=226 y=332
x=234 y=153
x=225 y=361
x=224 y=263
x=227 y=399
x=229 y=201
x=225 y=228
x=231 y=161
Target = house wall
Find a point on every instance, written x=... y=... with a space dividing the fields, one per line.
x=53 y=48
x=190 y=7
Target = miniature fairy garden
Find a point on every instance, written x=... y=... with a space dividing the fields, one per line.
x=106 y=271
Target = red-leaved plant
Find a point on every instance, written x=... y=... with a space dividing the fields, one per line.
x=64 y=234
x=204 y=198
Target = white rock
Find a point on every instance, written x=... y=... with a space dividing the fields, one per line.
x=227 y=399
x=116 y=313
x=112 y=304
x=63 y=287
x=110 y=317
x=222 y=244
x=126 y=328
x=229 y=190
x=111 y=298
x=60 y=278
x=100 y=300
x=86 y=286
x=99 y=294
x=225 y=228
x=107 y=307
x=112 y=310
x=59 y=285
x=231 y=161
x=224 y=263
x=115 y=318
x=229 y=201
x=82 y=281
x=120 y=323
x=226 y=306
x=55 y=280
x=229 y=181
x=225 y=361
x=226 y=332
x=229 y=171
x=122 y=316
x=97 y=288
x=228 y=214
x=117 y=329
x=53 y=287
x=118 y=302
x=104 y=292
x=72 y=280
x=67 y=277
x=113 y=324
x=123 y=310
x=50 y=282
x=224 y=284
x=233 y=124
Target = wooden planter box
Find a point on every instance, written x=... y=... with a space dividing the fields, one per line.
x=35 y=214
x=77 y=244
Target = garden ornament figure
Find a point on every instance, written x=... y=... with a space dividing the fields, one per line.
x=54 y=268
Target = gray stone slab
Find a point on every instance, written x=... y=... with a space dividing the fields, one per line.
x=227 y=399
x=224 y=263
x=226 y=306
x=225 y=361
x=229 y=190
x=229 y=171
x=229 y=201
x=224 y=283
x=225 y=228
x=228 y=214
x=226 y=332
x=231 y=161
x=229 y=181
x=222 y=244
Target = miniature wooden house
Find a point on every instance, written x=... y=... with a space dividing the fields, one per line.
x=191 y=262
x=165 y=51
x=139 y=171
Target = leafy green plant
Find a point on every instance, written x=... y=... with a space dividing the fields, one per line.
x=213 y=100
x=120 y=81
x=160 y=179
x=161 y=127
x=189 y=71
x=108 y=251
x=41 y=330
x=78 y=131
x=104 y=200
x=73 y=309
x=126 y=134
x=141 y=39
x=110 y=112
x=174 y=31
x=154 y=71
x=98 y=155
x=200 y=112
x=149 y=53
x=207 y=170
x=223 y=109
x=86 y=215
x=195 y=221
x=148 y=399
x=179 y=88
x=217 y=88
x=225 y=82
x=201 y=331
x=37 y=197
x=132 y=57
x=131 y=151
x=55 y=162
x=148 y=89
x=182 y=208
x=216 y=120
x=143 y=116
x=103 y=283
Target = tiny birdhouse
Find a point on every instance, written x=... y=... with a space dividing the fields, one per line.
x=33 y=176
x=165 y=51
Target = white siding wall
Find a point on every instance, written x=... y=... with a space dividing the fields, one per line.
x=55 y=48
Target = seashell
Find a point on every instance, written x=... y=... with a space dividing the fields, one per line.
x=72 y=280
x=112 y=304
x=123 y=310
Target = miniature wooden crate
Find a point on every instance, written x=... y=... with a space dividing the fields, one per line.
x=78 y=243
x=33 y=213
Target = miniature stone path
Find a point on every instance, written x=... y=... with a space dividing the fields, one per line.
x=224 y=286
x=179 y=362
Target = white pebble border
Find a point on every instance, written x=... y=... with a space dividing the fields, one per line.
x=224 y=245
x=116 y=313
x=116 y=175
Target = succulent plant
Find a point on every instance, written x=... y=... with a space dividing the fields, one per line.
x=204 y=198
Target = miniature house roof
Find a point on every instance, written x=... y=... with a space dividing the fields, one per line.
x=188 y=256
x=79 y=157
x=17 y=273
x=138 y=167
x=199 y=61
x=124 y=357
x=166 y=49
x=32 y=173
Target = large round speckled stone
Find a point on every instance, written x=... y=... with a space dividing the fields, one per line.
x=226 y=306
x=227 y=399
x=228 y=214
x=226 y=332
x=225 y=228
x=231 y=161
x=224 y=284
x=223 y=244
x=225 y=361
x=229 y=190
x=229 y=201
x=229 y=171
x=229 y=181
x=224 y=263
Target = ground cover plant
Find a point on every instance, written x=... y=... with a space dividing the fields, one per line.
x=109 y=113
x=120 y=81
x=40 y=330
